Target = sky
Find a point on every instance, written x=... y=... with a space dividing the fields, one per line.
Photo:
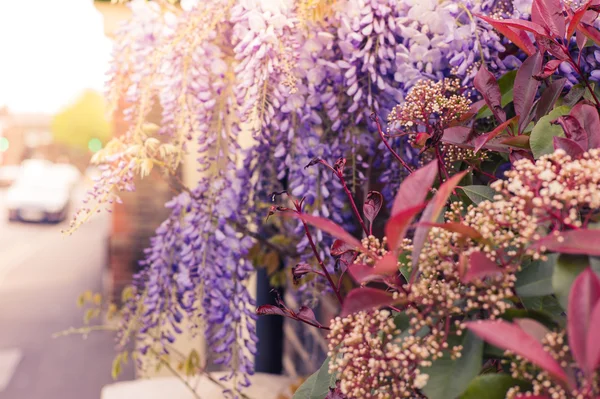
x=50 y=51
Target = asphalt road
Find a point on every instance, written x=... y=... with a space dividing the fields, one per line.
x=42 y=273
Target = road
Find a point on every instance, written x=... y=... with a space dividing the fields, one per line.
x=42 y=273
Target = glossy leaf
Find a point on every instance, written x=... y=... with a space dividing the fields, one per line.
x=535 y=280
x=580 y=241
x=576 y=19
x=532 y=327
x=549 y=97
x=593 y=343
x=492 y=386
x=588 y=118
x=548 y=13
x=387 y=264
x=566 y=270
x=573 y=130
x=590 y=32
x=331 y=228
x=362 y=273
x=372 y=205
x=397 y=226
x=306 y=313
x=271 y=310
x=488 y=87
x=521 y=141
x=415 y=187
x=365 y=298
x=482 y=140
x=549 y=69
x=430 y=215
x=524 y=25
x=518 y=37
x=450 y=378
x=584 y=295
x=511 y=337
x=541 y=138
x=569 y=146
x=506 y=83
x=478 y=194
x=480 y=267
x=526 y=88
x=340 y=247
x=317 y=385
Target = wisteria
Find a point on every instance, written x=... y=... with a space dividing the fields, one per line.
x=298 y=82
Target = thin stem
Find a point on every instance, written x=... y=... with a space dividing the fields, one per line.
x=376 y=120
x=316 y=253
x=352 y=202
x=441 y=164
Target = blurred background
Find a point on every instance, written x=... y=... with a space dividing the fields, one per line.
x=52 y=119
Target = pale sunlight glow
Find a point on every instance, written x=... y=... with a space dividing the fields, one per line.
x=50 y=50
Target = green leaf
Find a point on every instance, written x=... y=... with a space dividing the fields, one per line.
x=506 y=83
x=479 y=194
x=543 y=133
x=573 y=96
x=492 y=386
x=536 y=315
x=548 y=304
x=317 y=385
x=566 y=270
x=116 y=366
x=536 y=278
x=449 y=378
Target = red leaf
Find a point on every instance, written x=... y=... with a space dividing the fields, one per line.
x=534 y=328
x=518 y=37
x=396 y=227
x=590 y=32
x=583 y=297
x=330 y=227
x=510 y=337
x=415 y=187
x=365 y=298
x=549 y=97
x=486 y=84
x=521 y=141
x=550 y=67
x=482 y=140
x=577 y=18
x=577 y=242
x=431 y=214
x=515 y=155
x=571 y=148
x=573 y=130
x=456 y=227
x=387 y=264
x=372 y=205
x=548 y=13
x=528 y=26
x=525 y=88
x=480 y=266
x=306 y=313
x=593 y=343
x=340 y=247
x=580 y=39
x=587 y=115
x=271 y=310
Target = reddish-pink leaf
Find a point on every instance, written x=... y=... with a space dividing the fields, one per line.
x=487 y=86
x=372 y=205
x=431 y=214
x=457 y=135
x=415 y=187
x=573 y=130
x=482 y=140
x=526 y=87
x=521 y=141
x=516 y=36
x=306 y=313
x=528 y=26
x=516 y=155
x=396 y=227
x=583 y=297
x=593 y=343
x=590 y=32
x=534 y=328
x=456 y=227
x=510 y=337
x=577 y=242
x=271 y=310
x=387 y=264
x=577 y=17
x=365 y=298
x=548 y=13
x=587 y=115
x=330 y=227
x=580 y=39
x=549 y=97
x=548 y=69
x=568 y=145
x=480 y=267
x=341 y=247
x=362 y=273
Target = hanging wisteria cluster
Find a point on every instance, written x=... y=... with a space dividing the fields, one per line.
x=297 y=80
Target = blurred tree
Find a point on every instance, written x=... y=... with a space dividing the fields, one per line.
x=83 y=124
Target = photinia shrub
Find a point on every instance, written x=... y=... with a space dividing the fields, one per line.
x=460 y=240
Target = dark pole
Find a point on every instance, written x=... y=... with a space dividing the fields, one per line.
x=269 y=357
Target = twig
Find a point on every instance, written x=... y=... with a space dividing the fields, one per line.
x=375 y=119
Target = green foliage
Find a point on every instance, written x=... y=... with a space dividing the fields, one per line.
x=449 y=378
x=317 y=385
x=479 y=194
x=82 y=122
x=535 y=279
x=506 y=83
x=543 y=133
x=492 y=386
x=566 y=270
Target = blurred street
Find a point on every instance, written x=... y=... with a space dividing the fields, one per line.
x=42 y=273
